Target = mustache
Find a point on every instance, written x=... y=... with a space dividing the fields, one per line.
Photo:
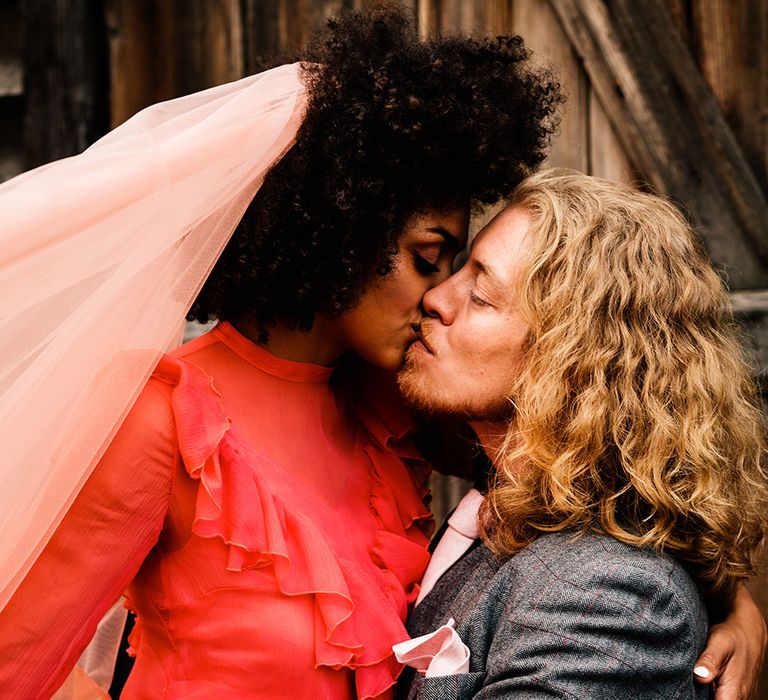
x=426 y=337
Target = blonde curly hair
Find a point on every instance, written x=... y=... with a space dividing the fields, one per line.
x=635 y=413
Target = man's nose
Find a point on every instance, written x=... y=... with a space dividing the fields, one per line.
x=437 y=302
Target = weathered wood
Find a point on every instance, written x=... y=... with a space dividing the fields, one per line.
x=142 y=38
x=457 y=17
x=10 y=50
x=220 y=30
x=425 y=11
x=607 y=157
x=671 y=126
x=731 y=44
x=680 y=11
x=163 y=49
x=497 y=16
x=11 y=100
x=430 y=17
x=750 y=308
x=65 y=77
x=261 y=38
x=208 y=46
x=539 y=26
x=11 y=136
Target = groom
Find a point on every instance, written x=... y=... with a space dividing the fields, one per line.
x=543 y=339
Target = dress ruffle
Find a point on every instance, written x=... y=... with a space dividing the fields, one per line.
x=359 y=608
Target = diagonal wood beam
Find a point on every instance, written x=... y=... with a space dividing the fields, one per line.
x=672 y=127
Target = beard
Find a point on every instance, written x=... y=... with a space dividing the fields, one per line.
x=451 y=398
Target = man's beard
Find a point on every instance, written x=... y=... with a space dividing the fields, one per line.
x=439 y=401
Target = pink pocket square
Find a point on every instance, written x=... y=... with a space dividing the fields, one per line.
x=440 y=653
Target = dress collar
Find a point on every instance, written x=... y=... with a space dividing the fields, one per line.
x=266 y=361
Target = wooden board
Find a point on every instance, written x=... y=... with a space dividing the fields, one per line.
x=607 y=157
x=66 y=77
x=730 y=40
x=539 y=26
x=672 y=127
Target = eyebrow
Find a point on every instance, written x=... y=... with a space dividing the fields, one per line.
x=493 y=277
x=445 y=233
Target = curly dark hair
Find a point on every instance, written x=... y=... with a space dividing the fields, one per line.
x=394 y=126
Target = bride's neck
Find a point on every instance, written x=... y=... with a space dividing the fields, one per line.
x=320 y=345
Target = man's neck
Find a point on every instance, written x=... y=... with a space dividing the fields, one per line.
x=316 y=346
x=496 y=440
x=491 y=435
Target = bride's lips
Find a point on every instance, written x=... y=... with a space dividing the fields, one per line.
x=422 y=343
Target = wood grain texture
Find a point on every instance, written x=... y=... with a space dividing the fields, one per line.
x=142 y=40
x=730 y=40
x=540 y=28
x=607 y=157
x=65 y=77
x=672 y=127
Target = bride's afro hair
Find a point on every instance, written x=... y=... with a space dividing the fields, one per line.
x=395 y=125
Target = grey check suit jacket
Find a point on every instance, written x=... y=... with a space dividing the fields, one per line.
x=587 y=617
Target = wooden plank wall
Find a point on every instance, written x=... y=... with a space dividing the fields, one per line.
x=11 y=100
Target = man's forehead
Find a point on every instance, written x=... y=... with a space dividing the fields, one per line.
x=505 y=222
x=500 y=246
x=505 y=234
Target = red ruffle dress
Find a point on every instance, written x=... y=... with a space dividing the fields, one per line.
x=268 y=520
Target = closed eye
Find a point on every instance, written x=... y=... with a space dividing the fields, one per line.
x=424 y=266
x=478 y=301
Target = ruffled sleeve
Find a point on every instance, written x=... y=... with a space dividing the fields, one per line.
x=360 y=606
x=96 y=550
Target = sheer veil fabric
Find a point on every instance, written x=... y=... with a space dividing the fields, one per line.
x=101 y=256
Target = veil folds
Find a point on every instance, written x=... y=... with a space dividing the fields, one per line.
x=101 y=256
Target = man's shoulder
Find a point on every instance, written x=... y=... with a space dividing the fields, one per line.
x=570 y=553
x=592 y=604
x=587 y=567
x=579 y=557
x=575 y=615
x=571 y=547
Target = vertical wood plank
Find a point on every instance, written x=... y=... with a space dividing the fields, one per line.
x=209 y=48
x=672 y=127
x=497 y=16
x=222 y=39
x=11 y=92
x=430 y=13
x=65 y=77
x=679 y=10
x=142 y=39
x=294 y=23
x=607 y=157
x=731 y=43
x=536 y=22
x=11 y=136
x=260 y=31
x=10 y=50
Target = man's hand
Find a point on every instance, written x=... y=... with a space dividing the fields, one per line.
x=734 y=652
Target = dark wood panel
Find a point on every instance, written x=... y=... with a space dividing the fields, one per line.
x=672 y=127
x=65 y=77
x=142 y=37
x=730 y=40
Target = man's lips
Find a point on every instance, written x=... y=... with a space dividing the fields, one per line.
x=422 y=343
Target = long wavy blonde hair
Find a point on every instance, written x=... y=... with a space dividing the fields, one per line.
x=635 y=413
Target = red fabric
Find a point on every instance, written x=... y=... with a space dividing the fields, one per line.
x=271 y=527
